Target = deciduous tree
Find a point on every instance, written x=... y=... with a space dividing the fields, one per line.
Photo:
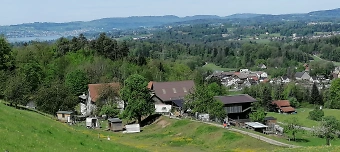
x=137 y=98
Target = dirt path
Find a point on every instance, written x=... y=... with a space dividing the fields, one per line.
x=263 y=138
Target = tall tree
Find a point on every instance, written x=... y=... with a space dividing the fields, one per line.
x=6 y=59
x=17 y=90
x=76 y=81
x=334 y=94
x=315 y=97
x=266 y=97
x=137 y=98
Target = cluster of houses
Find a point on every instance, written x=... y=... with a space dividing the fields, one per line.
x=168 y=98
x=245 y=78
x=240 y=79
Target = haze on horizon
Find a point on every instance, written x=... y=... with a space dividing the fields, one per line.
x=18 y=11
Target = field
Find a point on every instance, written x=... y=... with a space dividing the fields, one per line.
x=306 y=138
x=302 y=116
x=317 y=58
x=212 y=66
x=22 y=130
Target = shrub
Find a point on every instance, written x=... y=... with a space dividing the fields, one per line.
x=316 y=114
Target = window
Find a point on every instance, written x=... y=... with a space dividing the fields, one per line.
x=163 y=91
x=63 y=115
x=185 y=89
x=174 y=90
x=163 y=108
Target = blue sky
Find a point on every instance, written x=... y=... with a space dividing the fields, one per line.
x=26 y=11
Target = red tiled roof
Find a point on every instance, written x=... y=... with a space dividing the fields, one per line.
x=95 y=89
x=287 y=109
x=281 y=103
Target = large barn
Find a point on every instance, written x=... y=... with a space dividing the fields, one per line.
x=237 y=106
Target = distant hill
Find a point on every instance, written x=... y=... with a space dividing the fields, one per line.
x=38 y=29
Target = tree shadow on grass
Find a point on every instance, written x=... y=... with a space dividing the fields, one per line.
x=300 y=140
x=150 y=119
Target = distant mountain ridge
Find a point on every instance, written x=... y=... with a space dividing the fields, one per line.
x=108 y=24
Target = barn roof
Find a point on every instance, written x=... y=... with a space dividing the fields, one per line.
x=168 y=91
x=64 y=112
x=281 y=103
x=95 y=89
x=242 y=98
x=114 y=120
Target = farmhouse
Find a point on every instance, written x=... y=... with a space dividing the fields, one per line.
x=283 y=106
x=167 y=94
x=238 y=106
x=65 y=116
x=88 y=100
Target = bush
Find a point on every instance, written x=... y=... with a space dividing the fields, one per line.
x=316 y=114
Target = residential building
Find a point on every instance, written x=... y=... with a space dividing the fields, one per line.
x=88 y=100
x=170 y=94
x=302 y=76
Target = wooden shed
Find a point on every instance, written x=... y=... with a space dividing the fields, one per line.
x=270 y=120
x=115 y=124
x=65 y=116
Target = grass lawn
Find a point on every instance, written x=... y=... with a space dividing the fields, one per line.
x=22 y=130
x=212 y=66
x=302 y=116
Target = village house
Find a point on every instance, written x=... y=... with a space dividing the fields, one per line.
x=283 y=106
x=170 y=94
x=285 y=79
x=88 y=100
x=237 y=106
x=262 y=66
x=302 y=76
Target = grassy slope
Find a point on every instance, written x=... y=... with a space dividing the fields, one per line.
x=320 y=59
x=184 y=135
x=214 y=67
x=28 y=131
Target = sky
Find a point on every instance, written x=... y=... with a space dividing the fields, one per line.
x=28 y=11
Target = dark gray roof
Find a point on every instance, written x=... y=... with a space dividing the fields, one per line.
x=284 y=77
x=168 y=91
x=178 y=102
x=65 y=112
x=114 y=120
x=299 y=74
x=242 y=98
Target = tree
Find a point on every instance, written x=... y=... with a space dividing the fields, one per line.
x=293 y=127
x=334 y=94
x=137 y=98
x=315 y=96
x=328 y=129
x=266 y=97
x=202 y=100
x=108 y=101
x=55 y=96
x=17 y=90
x=258 y=115
x=316 y=114
x=217 y=90
x=6 y=59
x=110 y=110
x=76 y=81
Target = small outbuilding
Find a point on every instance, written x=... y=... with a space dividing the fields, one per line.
x=115 y=124
x=270 y=120
x=256 y=126
x=65 y=116
x=92 y=122
x=283 y=106
x=134 y=128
